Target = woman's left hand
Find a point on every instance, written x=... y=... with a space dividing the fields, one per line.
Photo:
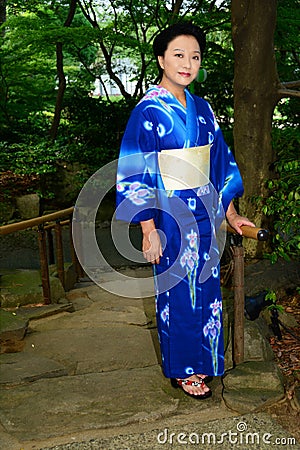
x=236 y=222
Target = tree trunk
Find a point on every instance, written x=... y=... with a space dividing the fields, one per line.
x=61 y=76
x=256 y=86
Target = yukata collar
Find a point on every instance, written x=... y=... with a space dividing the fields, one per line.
x=191 y=125
x=191 y=121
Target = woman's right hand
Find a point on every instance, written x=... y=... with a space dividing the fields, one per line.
x=151 y=245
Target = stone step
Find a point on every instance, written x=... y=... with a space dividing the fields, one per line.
x=260 y=382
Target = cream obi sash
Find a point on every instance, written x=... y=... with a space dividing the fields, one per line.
x=185 y=168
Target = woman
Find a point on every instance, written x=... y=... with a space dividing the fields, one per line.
x=177 y=178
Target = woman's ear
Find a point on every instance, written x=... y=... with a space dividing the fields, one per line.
x=161 y=61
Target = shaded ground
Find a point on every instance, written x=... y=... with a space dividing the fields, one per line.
x=287 y=356
x=286 y=350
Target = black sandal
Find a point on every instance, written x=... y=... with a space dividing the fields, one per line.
x=206 y=378
x=184 y=382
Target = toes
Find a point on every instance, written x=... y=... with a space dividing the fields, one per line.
x=198 y=387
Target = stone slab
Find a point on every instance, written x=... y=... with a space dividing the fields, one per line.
x=21 y=368
x=104 y=297
x=251 y=431
x=265 y=275
x=127 y=282
x=95 y=316
x=39 y=312
x=24 y=287
x=12 y=326
x=252 y=385
x=60 y=406
x=94 y=348
x=256 y=345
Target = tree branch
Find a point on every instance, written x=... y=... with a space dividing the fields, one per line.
x=105 y=90
x=176 y=9
x=211 y=6
x=106 y=53
x=291 y=84
x=288 y=93
x=61 y=75
x=285 y=91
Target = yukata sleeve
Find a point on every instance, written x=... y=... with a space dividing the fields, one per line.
x=136 y=177
x=227 y=178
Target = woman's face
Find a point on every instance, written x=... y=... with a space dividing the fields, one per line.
x=181 y=62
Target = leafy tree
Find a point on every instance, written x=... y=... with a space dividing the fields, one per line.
x=62 y=83
x=128 y=27
x=28 y=77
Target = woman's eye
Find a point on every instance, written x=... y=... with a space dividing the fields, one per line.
x=179 y=55
x=196 y=58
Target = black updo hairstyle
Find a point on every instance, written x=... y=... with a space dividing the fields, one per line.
x=162 y=40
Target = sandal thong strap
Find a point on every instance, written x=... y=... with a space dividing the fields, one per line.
x=190 y=383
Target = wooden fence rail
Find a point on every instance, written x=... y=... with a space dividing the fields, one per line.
x=48 y=255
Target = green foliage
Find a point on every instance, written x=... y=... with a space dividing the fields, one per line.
x=283 y=201
x=28 y=58
x=24 y=165
x=29 y=158
x=218 y=88
x=97 y=128
x=91 y=128
x=271 y=298
x=287 y=56
x=282 y=204
x=218 y=60
x=91 y=132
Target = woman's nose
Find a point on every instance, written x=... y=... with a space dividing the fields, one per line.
x=187 y=62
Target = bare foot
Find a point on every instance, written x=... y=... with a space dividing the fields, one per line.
x=201 y=377
x=193 y=385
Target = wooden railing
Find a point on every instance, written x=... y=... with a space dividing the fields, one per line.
x=258 y=234
x=44 y=226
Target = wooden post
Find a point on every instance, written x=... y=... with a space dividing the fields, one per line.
x=59 y=253
x=50 y=245
x=239 y=299
x=77 y=227
x=77 y=266
x=44 y=265
x=238 y=284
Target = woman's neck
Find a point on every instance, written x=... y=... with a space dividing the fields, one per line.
x=179 y=93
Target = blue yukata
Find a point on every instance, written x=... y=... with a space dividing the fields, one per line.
x=187 y=279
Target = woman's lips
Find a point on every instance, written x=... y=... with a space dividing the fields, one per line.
x=184 y=74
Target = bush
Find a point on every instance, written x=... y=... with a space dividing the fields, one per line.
x=90 y=135
x=283 y=201
x=97 y=126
